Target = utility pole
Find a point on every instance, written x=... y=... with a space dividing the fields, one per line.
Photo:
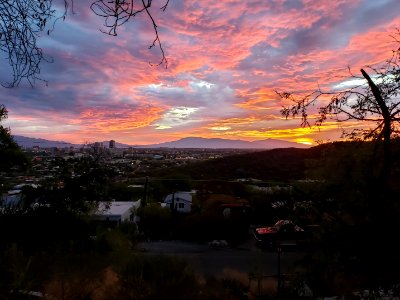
x=146 y=183
x=173 y=201
x=279 y=251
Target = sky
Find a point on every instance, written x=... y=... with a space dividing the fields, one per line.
x=226 y=60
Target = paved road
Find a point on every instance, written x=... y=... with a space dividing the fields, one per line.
x=208 y=261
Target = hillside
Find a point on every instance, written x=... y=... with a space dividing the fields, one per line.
x=286 y=164
x=218 y=143
x=277 y=164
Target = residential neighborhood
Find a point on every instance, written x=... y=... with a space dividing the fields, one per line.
x=215 y=210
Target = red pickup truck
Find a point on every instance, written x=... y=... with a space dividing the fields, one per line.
x=284 y=234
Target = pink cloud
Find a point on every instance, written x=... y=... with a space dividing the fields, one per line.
x=241 y=52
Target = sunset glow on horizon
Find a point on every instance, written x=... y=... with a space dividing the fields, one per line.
x=226 y=61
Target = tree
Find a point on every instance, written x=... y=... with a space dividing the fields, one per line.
x=375 y=100
x=22 y=22
x=117 y=12
x=10 y=153
x=6 y=140
x=354 y=197
x=77 y=190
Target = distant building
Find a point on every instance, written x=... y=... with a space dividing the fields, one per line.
x=112 y=144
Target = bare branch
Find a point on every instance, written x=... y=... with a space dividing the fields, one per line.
x=23 y=21
x=118 y=12
x=157 y=38
x=164 y=7
x=20 y=24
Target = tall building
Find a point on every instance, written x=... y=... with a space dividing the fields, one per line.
x=112 y=144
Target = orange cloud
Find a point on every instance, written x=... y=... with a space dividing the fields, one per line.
x=263 y=98
x=241 y=51
x=106 y=120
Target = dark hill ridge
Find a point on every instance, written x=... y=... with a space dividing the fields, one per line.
x=277 y=164
x=218 y=143
x=283 y=164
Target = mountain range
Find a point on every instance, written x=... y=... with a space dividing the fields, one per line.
x=189 y=142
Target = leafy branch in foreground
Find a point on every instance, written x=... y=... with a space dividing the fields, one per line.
x=374 y=100
x=355 y=196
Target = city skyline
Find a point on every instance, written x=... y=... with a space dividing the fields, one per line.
x=226 y=60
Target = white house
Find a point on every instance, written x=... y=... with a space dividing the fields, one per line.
x=117 y=211
x=181 y=201
x=13 y=199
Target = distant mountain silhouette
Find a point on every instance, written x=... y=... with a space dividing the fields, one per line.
x=27 y=142
x=190 y=142
x=217 y=143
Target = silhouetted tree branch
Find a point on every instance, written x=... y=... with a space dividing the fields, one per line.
x=355 y=197
x=375 y=100
x=117 y=12
x=23 y=21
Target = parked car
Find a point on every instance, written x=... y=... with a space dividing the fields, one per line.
x=284 y=234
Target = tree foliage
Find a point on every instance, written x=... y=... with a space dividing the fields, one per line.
x=10 y=153
x=358 y=219
x=6 y=140
x=78 y=189
x=356 y=184
x=374 y=101
x=23 y=22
